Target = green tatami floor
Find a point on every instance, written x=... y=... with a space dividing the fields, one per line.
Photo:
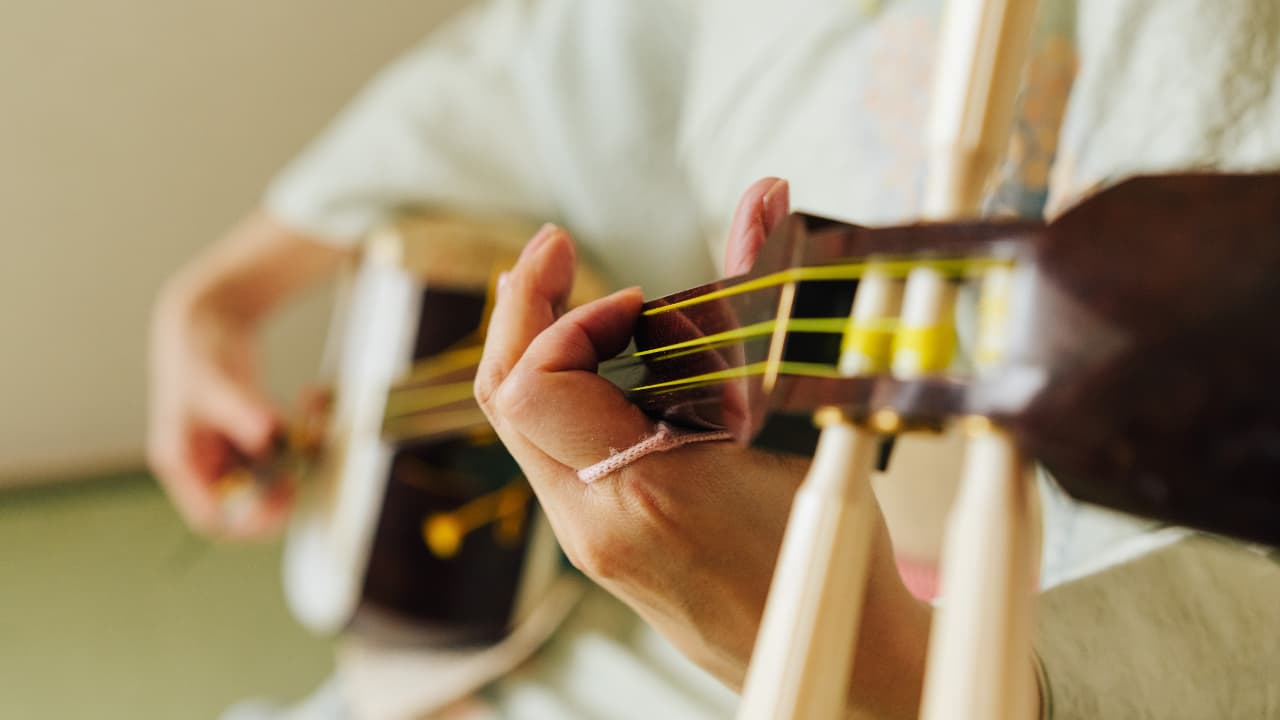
x=110 y=609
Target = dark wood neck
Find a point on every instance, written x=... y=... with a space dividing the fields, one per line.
x=1142 y=375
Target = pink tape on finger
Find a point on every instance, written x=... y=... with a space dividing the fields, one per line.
x=667 y=438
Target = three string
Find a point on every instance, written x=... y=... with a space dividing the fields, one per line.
x=422 y=399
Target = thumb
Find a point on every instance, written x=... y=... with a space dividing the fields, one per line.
x=242 y=414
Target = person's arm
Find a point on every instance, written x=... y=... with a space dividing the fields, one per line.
x=205 y=400
x=447 y=125
x=436 y=127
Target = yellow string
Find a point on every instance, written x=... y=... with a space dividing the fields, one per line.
x=897 y=269
x=879 y=341
x=760 y=329
x=786 y=367
x=407 y=427
x=443 y=364
x=420 y=399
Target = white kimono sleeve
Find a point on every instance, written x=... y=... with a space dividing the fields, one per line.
x=442 y=125
x=558 y=110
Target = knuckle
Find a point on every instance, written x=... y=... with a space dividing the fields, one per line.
x=574 y=555
x=514 y=401
x=488 y=380
x=599 y=561
x=644 y=500
x=602 y=558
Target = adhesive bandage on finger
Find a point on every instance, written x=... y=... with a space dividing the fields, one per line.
x=666 y=438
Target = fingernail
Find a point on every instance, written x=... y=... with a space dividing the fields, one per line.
x=748 y=250
x=539 y=239
x=776 y=200
x=502 y=279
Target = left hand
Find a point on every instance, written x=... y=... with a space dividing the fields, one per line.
x=689 y=537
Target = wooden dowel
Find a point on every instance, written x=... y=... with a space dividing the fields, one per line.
x=979 y=665
x=803 y=657
x=981 y=54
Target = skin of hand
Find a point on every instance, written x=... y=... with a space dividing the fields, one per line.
x=206 y=408
x=689 y=537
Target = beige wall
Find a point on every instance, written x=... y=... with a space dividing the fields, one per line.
x=131 y=133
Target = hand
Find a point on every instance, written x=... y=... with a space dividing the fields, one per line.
x=689 y=537
x=207 y=412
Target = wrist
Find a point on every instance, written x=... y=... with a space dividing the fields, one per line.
x=889 y=667
x=189 y=298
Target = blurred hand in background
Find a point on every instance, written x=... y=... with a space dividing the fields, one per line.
x=207 y=409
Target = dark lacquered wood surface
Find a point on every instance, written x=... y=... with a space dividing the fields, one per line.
x=1142 y=370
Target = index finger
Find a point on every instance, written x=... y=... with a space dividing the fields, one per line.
x=529 y=300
